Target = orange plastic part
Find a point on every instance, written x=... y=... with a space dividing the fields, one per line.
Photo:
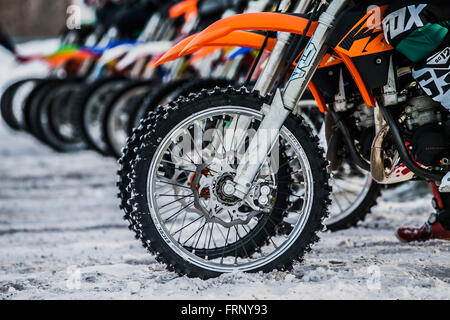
x=243 y=39
x=60 y=59
x=367 y=35
x=267 y=21
x=187 y=7
x=320 y=100
x=234 y=39
x=174 y=52
x=365 y=92
x=204 y=52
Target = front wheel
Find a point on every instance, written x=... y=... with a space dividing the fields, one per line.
x=178 y=184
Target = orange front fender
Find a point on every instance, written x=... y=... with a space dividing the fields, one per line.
x=233 y=39
x=204 y=52
x=187 y=7
x=267 y=21
x=174 y=52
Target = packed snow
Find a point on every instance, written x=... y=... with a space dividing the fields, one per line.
x=62 y=237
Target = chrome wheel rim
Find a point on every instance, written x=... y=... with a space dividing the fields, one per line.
x=118 y=123
x=94 y=110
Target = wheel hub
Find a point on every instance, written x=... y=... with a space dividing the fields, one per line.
x=224 y=189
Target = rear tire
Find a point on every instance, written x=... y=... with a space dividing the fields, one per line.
x=32 y=105
x=358 y=210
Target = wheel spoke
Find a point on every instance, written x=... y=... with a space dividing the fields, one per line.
x=178 y=212
x=182 y=228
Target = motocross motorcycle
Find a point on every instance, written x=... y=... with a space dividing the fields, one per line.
x=129 y=104
x=204 y=211
x=39 y=105
x=208 y=197
x=355 y=192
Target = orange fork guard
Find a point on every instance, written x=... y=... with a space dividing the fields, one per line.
x=267 y=21
x=234 y=39
x=173 y=53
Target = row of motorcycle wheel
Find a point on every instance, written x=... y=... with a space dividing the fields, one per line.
x=71 y=115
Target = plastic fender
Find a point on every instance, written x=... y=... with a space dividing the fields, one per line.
x=267 y=21
x=61 y=58
x=234 y=39
x=187 y=7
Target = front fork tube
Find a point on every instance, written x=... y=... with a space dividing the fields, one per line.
x=264 y=83
x=284 y=104
x=266 y=80
x=275 y=62
x=260 y=146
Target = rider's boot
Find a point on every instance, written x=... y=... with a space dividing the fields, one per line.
x=437 y=226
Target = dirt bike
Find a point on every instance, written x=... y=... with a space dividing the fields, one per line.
x=42 y=108
x=208 y=67
x=355 y=192
x=210 y=198
x=65 y=60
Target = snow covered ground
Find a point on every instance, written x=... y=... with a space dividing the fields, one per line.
x=62 y=237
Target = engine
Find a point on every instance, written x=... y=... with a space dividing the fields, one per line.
x=429 y=129
x=420 y=111
x=425 y=124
